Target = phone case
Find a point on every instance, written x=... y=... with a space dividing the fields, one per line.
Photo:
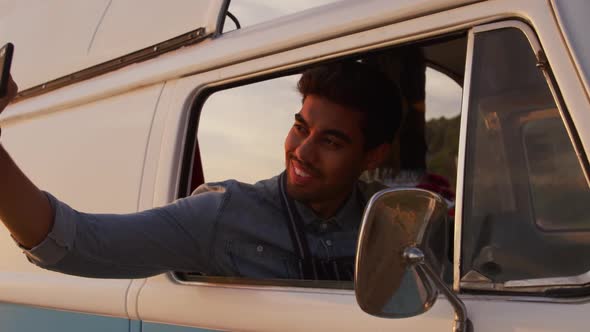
x=5 y=62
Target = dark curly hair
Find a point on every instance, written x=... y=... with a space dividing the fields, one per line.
x=363 y=88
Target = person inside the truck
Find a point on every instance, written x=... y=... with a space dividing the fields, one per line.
x=301 y=224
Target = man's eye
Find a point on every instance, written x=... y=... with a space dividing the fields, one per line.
x=299 y=128
x=331 y=142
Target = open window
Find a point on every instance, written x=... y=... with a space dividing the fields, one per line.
x=240 y=130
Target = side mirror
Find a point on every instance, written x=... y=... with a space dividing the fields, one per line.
x=400 y=256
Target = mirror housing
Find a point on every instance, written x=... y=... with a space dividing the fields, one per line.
x=403 y=244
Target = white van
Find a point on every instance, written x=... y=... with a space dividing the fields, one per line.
x=129 y=105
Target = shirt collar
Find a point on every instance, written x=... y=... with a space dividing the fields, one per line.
x=347 y=218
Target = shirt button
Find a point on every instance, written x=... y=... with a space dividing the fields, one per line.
x=259 y=248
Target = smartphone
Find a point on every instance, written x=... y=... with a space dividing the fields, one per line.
x=5 y=62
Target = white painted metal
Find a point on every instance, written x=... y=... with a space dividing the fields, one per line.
x=47 y=41
x=572 y=16
x=129 y=25
x=497 y=315
x=566 y=73
x=461 y=165
x=56 y=38
x=252 y=309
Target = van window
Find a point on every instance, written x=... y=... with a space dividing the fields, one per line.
x=525 y=215
x=556 y=179
x=242 y=130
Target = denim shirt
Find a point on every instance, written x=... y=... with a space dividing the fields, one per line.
x=227 y=228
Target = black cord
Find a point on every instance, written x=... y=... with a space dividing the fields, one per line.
x=234 y=19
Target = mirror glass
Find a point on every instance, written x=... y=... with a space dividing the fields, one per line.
x=386 y=284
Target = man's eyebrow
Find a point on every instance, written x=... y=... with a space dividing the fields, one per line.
x=332 y=132
x=300 y=118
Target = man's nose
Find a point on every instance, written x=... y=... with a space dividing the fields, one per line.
x=305 y=151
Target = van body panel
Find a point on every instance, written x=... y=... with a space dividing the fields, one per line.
x=566 y=72
x=18 y=318
x=572 y=18
x=85 y=134
x=155 y=327
x=120 y=34
x=99 y=178
x=490 y=314
x=89 y=33
x=53 y=32
x=243 y=307
x=51 y=290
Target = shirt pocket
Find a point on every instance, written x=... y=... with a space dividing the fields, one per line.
x=262 y=260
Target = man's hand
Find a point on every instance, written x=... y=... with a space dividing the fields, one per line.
x=24 y=209
x=10 y=94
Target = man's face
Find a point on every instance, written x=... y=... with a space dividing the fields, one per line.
x=324 y=151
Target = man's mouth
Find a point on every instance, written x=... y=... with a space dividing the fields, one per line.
x=299 y=174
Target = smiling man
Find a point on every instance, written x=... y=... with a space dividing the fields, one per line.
x=302 y=223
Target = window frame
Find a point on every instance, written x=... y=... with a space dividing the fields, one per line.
x=191 y=145
x=535 y=288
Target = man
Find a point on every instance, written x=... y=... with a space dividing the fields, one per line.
x=300 y=224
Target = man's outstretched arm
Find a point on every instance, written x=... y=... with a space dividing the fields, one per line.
x=24 y=209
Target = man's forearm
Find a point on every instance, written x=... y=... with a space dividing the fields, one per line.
x=24 y=209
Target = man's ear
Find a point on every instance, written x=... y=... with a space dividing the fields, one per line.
x=375 y=157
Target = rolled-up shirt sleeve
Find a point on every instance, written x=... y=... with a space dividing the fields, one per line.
x=174 y=237
x=57 y=243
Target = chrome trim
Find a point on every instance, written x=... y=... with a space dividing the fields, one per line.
x=366 y=216
x=524 y=288
x=274 y=285
x=150 y=52
x=580 y=279
x=461 y=164
x=460 y=311
x=541 y=284
x=525 y=299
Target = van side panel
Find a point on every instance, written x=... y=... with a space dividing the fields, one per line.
x=154 y=327
x=18 y=318
x=97 y=149
x=92 y=157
